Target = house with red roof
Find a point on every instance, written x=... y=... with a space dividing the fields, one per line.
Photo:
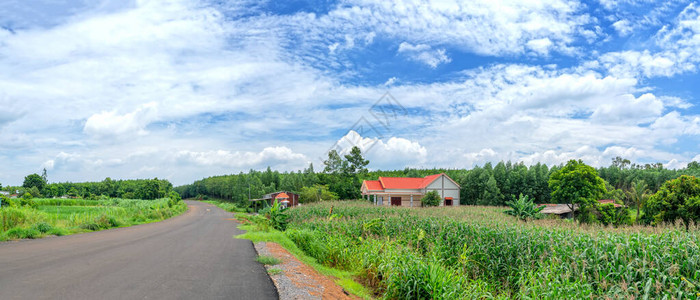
x=408 y=191
x=285 y=198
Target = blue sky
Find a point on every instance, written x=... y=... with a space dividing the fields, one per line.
x=184 y=89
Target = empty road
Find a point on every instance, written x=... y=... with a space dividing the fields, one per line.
x=192 y=256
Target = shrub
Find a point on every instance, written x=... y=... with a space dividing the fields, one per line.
x=431 y=198
x=23 y=233
x=608 y=214
x=43 y=227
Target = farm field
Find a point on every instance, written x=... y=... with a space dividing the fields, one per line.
x=477 y=252
x=68 y=216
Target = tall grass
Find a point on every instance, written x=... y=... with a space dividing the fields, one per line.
x=67 y=216
x=479 y=252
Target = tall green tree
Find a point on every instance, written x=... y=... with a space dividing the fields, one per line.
x=577 y=184
x=492 y=194
x=356 y=163
x=34 y=180
x=677 y=199
x=334 y=163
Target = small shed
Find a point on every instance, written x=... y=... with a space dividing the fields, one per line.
x=286 y=198
x=561 y=210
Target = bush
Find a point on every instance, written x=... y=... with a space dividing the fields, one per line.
x=431 y=198
x=23 y=233
x=608 y=214
x=43 y=227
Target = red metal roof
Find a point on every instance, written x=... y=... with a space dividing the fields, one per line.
x=373 y=185
x=282 y=195
x=402 y=183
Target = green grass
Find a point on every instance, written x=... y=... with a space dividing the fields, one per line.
x=227 y=206
x=480 y=252
x=69 y=216
x=268 y=260
x=344 y=278
x=274 y=271
x=66 y=210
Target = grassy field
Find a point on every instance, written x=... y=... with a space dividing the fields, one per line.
x=479 y=253
x=69 y=216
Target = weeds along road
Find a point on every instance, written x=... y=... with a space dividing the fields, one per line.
x=192 y=256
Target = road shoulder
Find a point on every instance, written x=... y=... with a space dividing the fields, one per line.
x=296 y=280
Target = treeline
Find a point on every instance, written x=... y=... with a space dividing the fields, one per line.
x=147 y=189
x=481 y=185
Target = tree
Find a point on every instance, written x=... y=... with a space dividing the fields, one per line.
x=34 y=180
x=638 y=194
x=523 y=208
x=492 y=194
x=34 y=191
x=676 y=199
x=576 y=184
x=333 y=164
x=316 y=193
x=431 y=198
x=356 y=163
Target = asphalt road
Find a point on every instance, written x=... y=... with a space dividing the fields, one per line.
x=192 y=256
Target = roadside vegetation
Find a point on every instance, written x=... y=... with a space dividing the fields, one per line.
x=34 y=218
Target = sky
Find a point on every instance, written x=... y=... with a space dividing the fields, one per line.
x=186 y=89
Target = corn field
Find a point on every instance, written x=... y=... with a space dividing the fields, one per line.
x=482 y=253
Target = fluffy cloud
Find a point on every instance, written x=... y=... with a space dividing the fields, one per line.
x=424 y=54
x=384 y=153
x=277 y=157
x=678 y=50
x=112 y=124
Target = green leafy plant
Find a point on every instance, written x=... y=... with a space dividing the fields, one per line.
x=431 y=198
x=524 y=208
x=278 y=219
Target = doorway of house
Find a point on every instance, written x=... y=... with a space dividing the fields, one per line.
x=396 y=201
x=448 y=202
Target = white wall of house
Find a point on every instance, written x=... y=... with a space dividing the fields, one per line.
x=446 y=188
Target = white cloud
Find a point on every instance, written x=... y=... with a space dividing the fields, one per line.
x=678 y=50
x=623 y=27
x=277 y=157
x=424 y=54
x=384 y=153
x=484 y=27
x=109 y=123
x=541 y=46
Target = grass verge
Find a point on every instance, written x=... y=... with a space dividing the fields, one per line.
x=344 y=279
x=268 y=260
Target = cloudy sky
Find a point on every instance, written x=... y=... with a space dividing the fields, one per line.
x=184 y=89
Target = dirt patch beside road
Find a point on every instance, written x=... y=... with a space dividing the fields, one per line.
x=297 y=280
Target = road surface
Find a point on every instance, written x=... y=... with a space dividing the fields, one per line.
x=192 y=256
